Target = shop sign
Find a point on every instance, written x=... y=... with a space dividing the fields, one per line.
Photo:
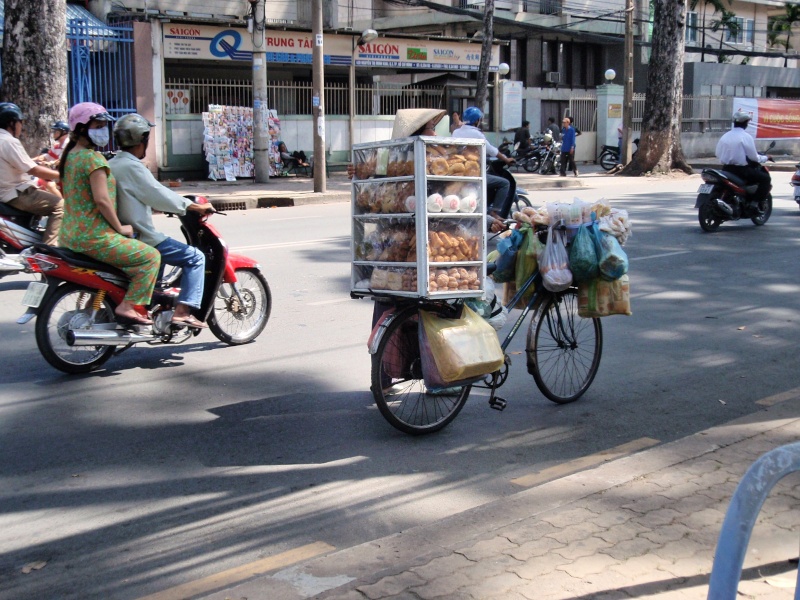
x=201 y=42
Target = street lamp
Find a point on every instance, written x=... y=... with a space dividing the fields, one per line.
x=502 y=69
x=366 y=36
x=610 y=74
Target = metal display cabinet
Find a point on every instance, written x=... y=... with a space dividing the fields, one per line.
x=419 y=218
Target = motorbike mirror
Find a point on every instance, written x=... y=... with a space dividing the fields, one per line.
x=771 y=145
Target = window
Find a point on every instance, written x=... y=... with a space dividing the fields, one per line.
x=734 y=33
x=691 y=27
x=749 y=32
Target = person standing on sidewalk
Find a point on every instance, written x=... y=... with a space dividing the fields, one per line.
x=568 y=147
x=138 y=193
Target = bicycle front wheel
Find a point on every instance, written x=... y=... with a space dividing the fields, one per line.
x=398 y=385
x=563 y=349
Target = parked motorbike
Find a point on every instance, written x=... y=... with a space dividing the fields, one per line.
x=18 y=230
x=77 y=330
x=551 y=159
x=726 y=197
x=609 y=156
x=796 y=183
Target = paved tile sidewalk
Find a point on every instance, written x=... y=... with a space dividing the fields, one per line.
x=643 y=526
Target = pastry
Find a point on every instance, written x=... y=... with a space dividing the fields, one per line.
x=438 y=166
x=379 y=279
x=451 y=204
x=456 y=169
x=471 y=153
x=411 y=204
x=468 y=204
x=472 y=169
x=434 y=203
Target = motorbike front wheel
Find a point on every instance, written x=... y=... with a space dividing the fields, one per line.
x=765 y=211
x=70 y=307
x=709 y=217
x=608 y=161
x=238 y=319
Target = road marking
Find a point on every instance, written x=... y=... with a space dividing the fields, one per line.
x=778 y=398
x=232 y=576
x=290 y=244
x=324 y=302
x=661 y=255
x=584 y=462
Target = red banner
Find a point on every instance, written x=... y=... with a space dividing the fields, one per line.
x=772 y=119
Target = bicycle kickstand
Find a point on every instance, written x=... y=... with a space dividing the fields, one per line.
x=496 y=402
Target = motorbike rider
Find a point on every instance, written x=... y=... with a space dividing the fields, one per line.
x=18 y=172
x=58 y=140
x=522 y=137
x=138 y=193
x=497 y=187
x=736 y=150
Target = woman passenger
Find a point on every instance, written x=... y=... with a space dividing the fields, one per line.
x=91 y=225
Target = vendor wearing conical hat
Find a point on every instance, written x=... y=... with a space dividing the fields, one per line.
x=416 y=121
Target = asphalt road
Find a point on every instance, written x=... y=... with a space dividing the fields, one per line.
x=175 y=463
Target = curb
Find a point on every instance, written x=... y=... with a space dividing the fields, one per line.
x=339 y=573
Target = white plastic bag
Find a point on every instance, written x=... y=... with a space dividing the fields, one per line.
x=554 y=265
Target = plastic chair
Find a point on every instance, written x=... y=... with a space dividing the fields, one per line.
x=742 y=512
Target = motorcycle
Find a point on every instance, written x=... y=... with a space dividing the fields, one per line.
x=609 y=156
x=726 y=197
x=795 y=183
x=77 y=330
x=551 y=159
x=520 y=196
x=18 y=230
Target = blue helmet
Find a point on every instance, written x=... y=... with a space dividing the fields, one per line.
x=472 y=115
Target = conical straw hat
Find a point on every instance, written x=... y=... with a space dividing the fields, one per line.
x=408 y=120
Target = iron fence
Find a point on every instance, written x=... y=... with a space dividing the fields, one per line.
x=295 y=97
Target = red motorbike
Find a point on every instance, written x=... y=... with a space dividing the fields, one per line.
x=18 y=230
x=76 y=329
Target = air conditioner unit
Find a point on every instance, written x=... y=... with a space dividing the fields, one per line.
x=552 y=77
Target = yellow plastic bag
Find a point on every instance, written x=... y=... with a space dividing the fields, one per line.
x=601 y=298
x=462 y=348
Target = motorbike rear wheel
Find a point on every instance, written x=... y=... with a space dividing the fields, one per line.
x=709 y=217
x=532 y=164
x=763 y=215
x=608 y=161
x=70 y=307
x=238 y=322
x=547 y=167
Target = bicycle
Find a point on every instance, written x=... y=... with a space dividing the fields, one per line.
x=563 y=354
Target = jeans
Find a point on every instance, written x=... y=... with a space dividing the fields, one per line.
x=497 y=189
x=193 y=265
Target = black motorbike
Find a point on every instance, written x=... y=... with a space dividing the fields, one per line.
x=609 y=156
x=727 y=197
x=520 y=196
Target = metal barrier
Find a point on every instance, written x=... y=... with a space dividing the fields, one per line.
x=743 y=510
x=295 y=97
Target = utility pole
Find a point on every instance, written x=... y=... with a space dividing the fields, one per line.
x=627 y=94
x=318 y=97
x=261 y=138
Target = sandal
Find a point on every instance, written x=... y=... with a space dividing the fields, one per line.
x=137 y=320
x=190 y=321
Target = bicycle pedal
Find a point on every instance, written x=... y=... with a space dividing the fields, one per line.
x=498 y=403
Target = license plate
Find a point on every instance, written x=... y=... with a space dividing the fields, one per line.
x=34 y=294
x=705 y=188
x=797 y=194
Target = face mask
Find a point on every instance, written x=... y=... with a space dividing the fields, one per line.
x=99 y=137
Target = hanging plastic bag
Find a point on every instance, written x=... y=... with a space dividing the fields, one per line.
x=528 y=256
x=462 y=348
x=601 y=298
x=611 y=258
x=554 y=265
x=583 y=256
x=507 y=259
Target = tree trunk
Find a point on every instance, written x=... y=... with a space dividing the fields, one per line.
x=486 y=56
x=660 y=140
x=34 y=59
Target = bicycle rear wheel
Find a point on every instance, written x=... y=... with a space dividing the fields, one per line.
x=398 y=386
x=563 y=349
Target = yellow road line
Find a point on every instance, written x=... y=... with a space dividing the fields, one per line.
x=585 y=462
x=778 y=398
x=232 y=576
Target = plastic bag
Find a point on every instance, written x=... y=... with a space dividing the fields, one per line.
x=489 y=307
x=554 y=265
x=611 y=258
x=401 y=350
x=601 y=298
x=462 y=348
x=507 y=259
x=583 y=256
x=530 y=251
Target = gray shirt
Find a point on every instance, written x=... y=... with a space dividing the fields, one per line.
x=138 y=193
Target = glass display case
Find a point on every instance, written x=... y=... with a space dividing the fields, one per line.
x=419 y=207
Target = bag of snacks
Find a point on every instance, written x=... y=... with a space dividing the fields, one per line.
x=583 y=255
x=554 y=265
x=601 y=298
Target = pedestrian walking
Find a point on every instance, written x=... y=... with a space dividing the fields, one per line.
x=568 y=147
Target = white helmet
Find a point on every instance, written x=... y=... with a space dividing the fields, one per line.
x=740 y=117
x=548 y=138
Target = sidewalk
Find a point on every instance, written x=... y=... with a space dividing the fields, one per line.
x=641 y=526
